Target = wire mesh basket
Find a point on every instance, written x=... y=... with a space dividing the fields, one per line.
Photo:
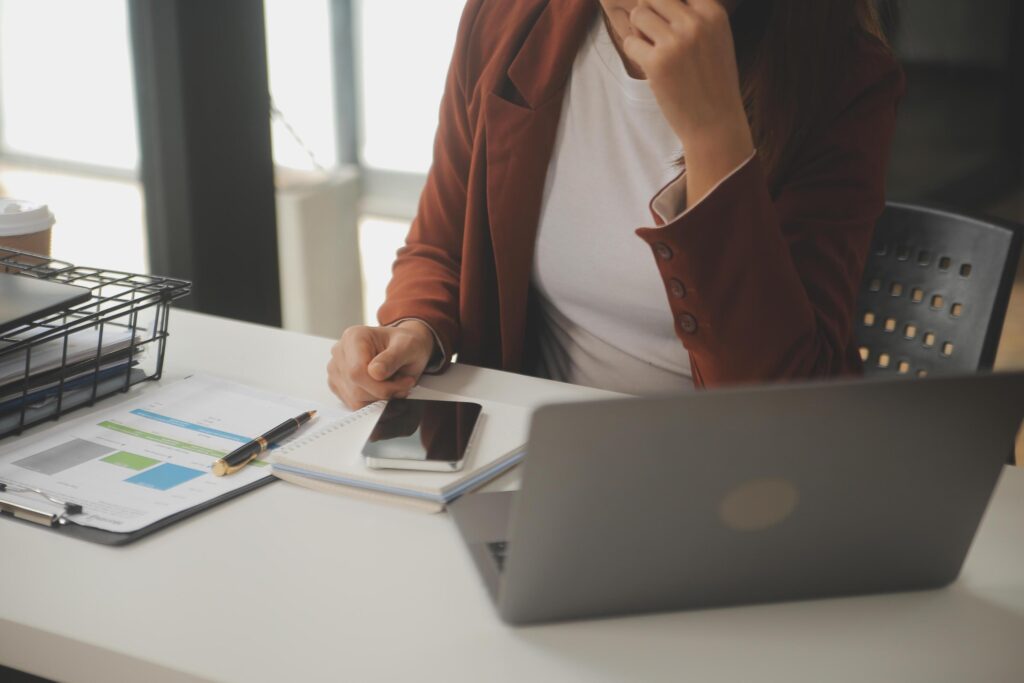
x=77 y=356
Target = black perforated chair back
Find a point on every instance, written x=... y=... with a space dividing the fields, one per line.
x=935 y=292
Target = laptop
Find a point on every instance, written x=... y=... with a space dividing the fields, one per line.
x=741 y=496
x=24 y=299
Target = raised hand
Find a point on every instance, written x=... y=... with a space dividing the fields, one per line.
x=685 y=50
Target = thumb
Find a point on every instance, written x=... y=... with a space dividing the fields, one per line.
x=383 y=366
x=387 y=362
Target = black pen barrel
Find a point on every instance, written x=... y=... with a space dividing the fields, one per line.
x=281 y=431
x=241 y=455
x=242 y=452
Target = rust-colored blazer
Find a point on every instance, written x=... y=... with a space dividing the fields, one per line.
x=770 y=278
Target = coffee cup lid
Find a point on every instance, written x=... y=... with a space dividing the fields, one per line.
x=20 y=217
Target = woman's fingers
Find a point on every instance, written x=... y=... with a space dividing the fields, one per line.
x=356 y=398
x=355 y=395
x=673 y=11
x=350 y=376
x=651 y=24
x=357 y=372
x=707 y=9
x=620 y=22
x=637 y=49
x=343 y=390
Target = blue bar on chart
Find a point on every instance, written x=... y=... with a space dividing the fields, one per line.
x=202 y=429
x=166 y=476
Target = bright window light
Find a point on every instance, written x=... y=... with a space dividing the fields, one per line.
x=100 y=223
x=67 y=83
x=379 y=239
x=404 y=47
x=299 y=67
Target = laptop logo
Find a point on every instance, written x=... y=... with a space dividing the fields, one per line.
x=758 y=504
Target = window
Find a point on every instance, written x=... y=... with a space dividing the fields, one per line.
x=66 y=79
x=299 y=69
x=379 y=239
x=100 y=221
x=403 y=48
x=67 y=126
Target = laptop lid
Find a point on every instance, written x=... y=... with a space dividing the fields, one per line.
x=24 y=299
x=752 y=495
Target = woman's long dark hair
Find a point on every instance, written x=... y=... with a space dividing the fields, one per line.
x=788 y=52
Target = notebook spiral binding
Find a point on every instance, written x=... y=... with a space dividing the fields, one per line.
x=332 y=426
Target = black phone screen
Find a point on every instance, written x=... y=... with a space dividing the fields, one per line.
x=423 y=430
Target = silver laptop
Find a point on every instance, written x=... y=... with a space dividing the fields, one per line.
x=742 y=496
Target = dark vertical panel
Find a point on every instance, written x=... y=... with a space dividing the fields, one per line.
x=1015 y=129
x=204 y=128
x=345 y=99
x=1016 y=86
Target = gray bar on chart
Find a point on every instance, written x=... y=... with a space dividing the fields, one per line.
x=65 y=456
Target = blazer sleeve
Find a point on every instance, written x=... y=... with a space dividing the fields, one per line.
x=425 y=275
x=769 y=284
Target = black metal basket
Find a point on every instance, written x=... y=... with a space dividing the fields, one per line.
x=73 y=358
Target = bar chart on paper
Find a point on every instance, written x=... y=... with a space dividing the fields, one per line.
x=165 y=476
x=145 y=460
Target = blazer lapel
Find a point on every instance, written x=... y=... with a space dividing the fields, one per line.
x=521 y=120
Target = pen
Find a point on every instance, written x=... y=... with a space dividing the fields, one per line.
x=243 y=455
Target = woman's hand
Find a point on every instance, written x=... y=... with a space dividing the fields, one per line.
x=373 y=363
x=686 y=51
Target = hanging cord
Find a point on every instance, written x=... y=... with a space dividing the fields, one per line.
x=277 y=115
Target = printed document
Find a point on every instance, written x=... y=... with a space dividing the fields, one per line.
x=150 y=458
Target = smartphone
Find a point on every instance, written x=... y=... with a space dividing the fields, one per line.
x=422 y=434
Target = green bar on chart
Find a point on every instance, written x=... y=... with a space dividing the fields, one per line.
x=130 y=460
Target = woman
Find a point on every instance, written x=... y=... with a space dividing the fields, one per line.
x=766 y=124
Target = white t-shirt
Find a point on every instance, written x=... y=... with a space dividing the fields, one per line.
x=605 y=317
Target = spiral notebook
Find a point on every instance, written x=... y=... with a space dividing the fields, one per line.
x=330 y=459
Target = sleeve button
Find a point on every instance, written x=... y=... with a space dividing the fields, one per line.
x=687 y=323
x=677 y=288
x=663 y=251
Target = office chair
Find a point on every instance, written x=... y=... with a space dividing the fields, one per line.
x=935 y=291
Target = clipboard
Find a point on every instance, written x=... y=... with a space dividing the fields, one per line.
x=67 y=527
x=116 y=476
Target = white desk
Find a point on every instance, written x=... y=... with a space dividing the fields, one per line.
x=286 y=584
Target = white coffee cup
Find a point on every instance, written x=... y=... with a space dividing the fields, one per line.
x=25 y=226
